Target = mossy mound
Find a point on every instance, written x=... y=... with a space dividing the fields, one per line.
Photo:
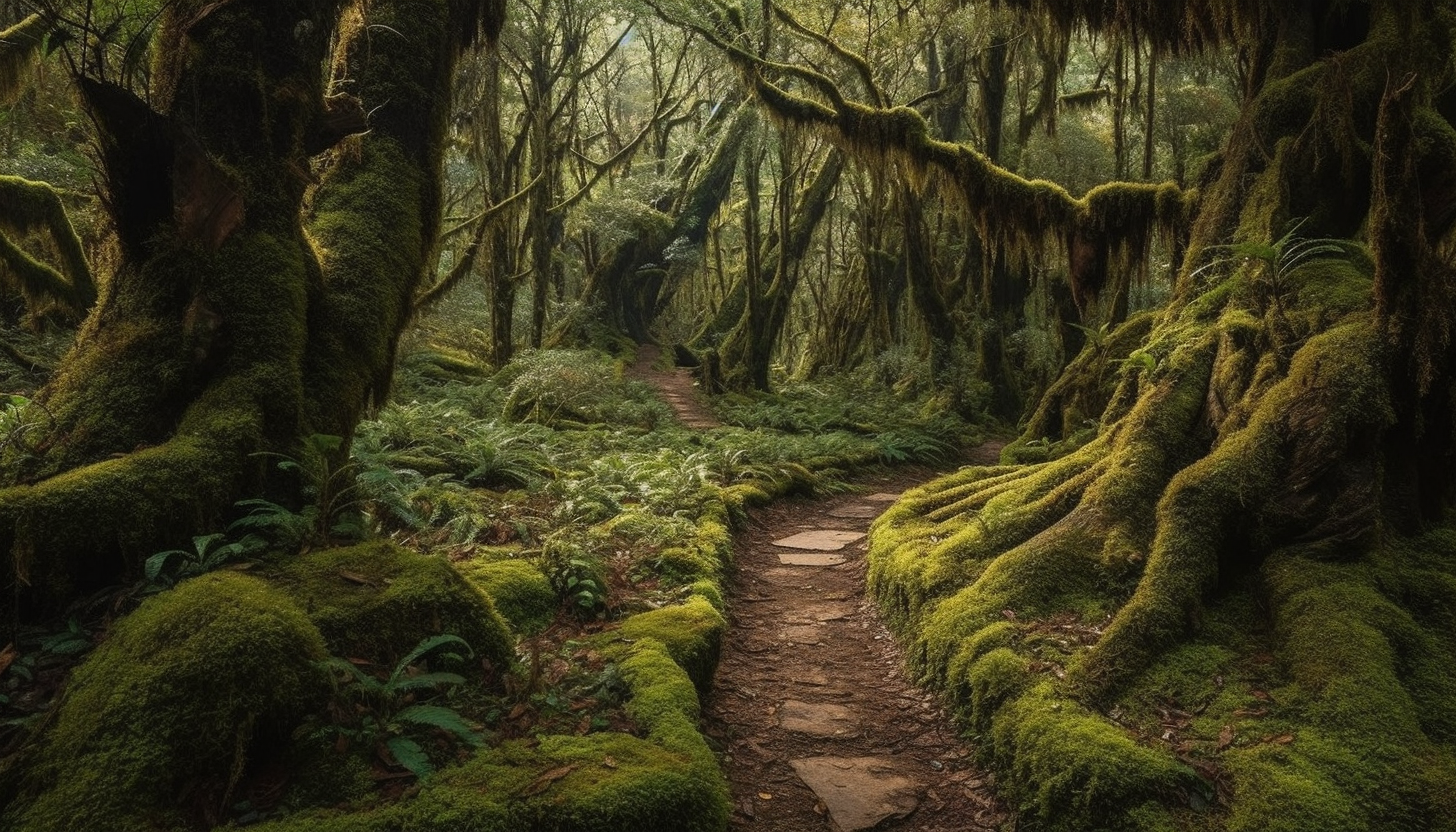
x=691 y=632
x=598 y=783
x=518 y=588
x=162 y=721
x=378 y=600
x=668 y=781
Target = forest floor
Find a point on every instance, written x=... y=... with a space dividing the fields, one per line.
x=818 y=726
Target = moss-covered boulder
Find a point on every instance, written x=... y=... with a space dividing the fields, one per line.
x=518 y=588
x=377 y=600
x=164 y=719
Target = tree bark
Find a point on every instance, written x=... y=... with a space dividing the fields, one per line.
x=225 y=330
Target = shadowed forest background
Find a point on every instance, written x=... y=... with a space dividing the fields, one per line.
x=328 y=500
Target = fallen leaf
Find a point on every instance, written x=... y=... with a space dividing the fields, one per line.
x=542 y=783
x=356 y=578
x=765 y=796
x=609 y=761
x=518 y=711
x=8 y=657
x=1259 y=695
x=1226 y=737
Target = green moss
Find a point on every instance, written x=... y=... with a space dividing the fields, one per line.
x=605 y=782
x=993 y=678
x=378 y=601
x=185 y=693
x=691 y=632
x=1277 y=791
x=518 y=590
x=597 y=783
x=1073 y=770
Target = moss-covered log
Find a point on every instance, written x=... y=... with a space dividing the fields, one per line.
x=236 y=321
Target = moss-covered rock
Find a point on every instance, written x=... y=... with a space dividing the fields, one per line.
x=378 y=601
x=691 y=632
x=518 y=588
x=162 y=721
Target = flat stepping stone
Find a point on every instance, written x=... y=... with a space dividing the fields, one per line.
x=789 y=577
x=885 y=497
x=821 y=613
x=820 y=540
x=811 y=559
x=856 y=512
x=860 y=793
x=817 y=719
x=803 y=634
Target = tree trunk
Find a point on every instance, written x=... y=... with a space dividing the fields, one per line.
x=224 y=331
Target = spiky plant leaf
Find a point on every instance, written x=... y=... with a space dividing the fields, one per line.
x=438 y=716
x=409 y=754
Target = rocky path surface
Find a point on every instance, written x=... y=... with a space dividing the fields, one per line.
x=819 y=728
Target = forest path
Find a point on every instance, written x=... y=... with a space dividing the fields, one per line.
x=819 y=728
x=676 y=386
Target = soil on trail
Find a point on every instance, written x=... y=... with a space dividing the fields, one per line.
x=809 y=673
x=676 y=387
x=818 y=727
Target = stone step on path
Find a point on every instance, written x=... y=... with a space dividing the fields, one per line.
x=858 y=793
x=822 y=731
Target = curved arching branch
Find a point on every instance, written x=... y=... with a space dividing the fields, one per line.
x=1109 y=228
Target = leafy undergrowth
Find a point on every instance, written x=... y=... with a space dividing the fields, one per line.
x=519 y=642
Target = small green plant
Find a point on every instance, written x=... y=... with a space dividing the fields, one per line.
x=577 y=578
x=1272 y=262
x=331 y=492
x=37 y=651
x=19 y=417
x=382 y=712
x=165 y=570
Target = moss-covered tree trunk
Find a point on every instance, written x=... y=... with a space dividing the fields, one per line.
x=635 y=283
x=261 y=285
x=763 y=300
x=1284 y=429
x=1230 y=605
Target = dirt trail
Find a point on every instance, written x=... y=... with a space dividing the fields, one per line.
x=811 y=690
x=819 y=728
x=676 y=386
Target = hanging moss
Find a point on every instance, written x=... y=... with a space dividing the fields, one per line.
x=166 y=716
